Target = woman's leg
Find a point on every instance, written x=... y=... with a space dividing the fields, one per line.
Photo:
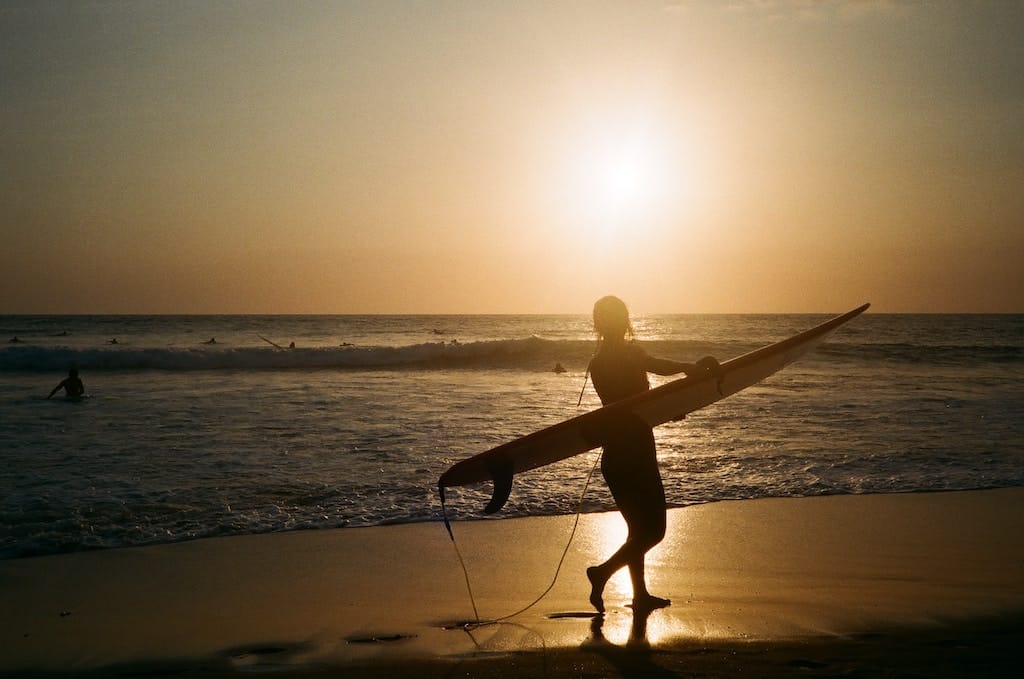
x=646 y=529
x=631 y=469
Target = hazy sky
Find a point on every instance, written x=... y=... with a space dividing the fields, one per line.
x=436 y=157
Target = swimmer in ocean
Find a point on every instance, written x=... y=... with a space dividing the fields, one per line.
x=72 y=385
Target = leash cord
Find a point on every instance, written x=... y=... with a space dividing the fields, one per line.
x=576 y=522
x=558 y=569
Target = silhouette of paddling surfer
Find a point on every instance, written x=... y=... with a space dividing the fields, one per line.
x=72 y=385
x=629 y=462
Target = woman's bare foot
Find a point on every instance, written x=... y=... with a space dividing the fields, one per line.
x=649 y=602
x=597 y=582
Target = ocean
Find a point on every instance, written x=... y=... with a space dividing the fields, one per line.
x=181 y=438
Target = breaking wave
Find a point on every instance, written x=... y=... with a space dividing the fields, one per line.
x=515 y=353
x=531 y=353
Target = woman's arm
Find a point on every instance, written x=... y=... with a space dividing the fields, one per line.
x=664 y=367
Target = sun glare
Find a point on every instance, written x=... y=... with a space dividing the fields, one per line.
x=622 y=179
x=626 y=179
x=623 y=182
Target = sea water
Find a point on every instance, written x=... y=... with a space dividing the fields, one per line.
x=181 y=437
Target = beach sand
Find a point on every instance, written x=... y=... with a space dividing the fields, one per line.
x=925 y=585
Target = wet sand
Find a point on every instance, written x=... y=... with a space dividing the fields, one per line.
x=914 y=584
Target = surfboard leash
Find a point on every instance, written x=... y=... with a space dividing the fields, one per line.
x=572 y=534
x=465 y=572
x=558 y=569
x=586 y=376
x=568 y=543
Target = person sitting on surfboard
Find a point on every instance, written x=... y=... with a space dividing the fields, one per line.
x=629 y=462
x=72 y=385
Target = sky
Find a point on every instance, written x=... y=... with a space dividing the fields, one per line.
x=511 y=157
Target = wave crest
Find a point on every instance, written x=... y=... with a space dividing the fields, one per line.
x=531 y=351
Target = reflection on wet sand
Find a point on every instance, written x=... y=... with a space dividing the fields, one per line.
x=874 y=577
x=634 y=656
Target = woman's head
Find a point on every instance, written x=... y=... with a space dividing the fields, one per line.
x=611 y=317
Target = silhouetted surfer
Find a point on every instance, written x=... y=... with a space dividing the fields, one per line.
x=72 y=386
x=291 y=345
x=629 y=462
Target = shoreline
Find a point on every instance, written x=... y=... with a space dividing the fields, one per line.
x=805 y=583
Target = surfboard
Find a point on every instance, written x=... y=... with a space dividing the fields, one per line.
x=273 y=344
x=671 y=401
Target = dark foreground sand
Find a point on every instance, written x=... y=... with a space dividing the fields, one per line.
x=922 y=585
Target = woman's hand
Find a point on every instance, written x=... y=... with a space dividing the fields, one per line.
x=711 y=365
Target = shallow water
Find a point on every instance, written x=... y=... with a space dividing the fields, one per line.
x=179 y=439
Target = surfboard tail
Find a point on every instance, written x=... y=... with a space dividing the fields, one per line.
x=501 y=470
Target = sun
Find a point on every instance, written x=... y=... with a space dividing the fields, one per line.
x=624 y=180
x=619 y=178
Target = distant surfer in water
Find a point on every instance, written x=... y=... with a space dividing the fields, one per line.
x=72 y=385
x=629 y=462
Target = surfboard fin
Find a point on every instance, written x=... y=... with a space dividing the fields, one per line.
x=501 y=470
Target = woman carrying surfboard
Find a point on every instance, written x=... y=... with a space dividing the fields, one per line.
x=629 y=462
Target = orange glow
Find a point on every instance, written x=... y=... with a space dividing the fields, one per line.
x=347 y=158
x=609 y=536
x=607 y=533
